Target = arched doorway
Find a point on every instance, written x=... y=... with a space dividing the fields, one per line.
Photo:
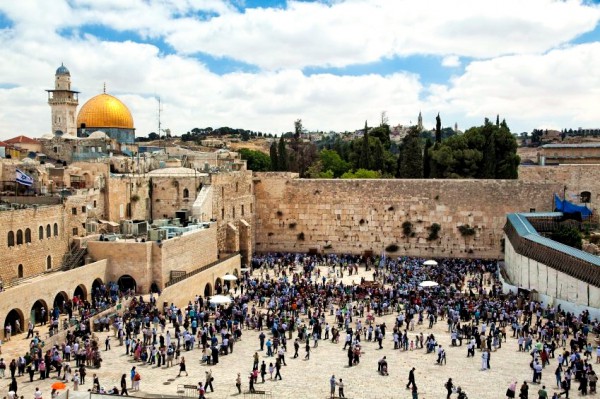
x=60 y=300
x=39 y=312
x=218 y=286
x=154 y=287
x=126 y=282
x=97 y=287
x=81 y=292
x=11 y=318
x=207 y=290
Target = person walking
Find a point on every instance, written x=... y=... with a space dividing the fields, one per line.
x=449 y=385
x=263 y=371
x=411 y=378
x=132 y=376
x=510 y=391
x=278 y=369
x=307 y=348
x=208 y=381
x=238 y=383
x=524 y=391
x=332 y=384
x=341 y=389
x=182 y=367
x=124 y=385
x=415 y=393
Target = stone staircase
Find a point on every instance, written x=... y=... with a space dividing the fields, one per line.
x=73 y=258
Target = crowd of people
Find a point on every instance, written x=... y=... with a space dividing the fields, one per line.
x=298 y=300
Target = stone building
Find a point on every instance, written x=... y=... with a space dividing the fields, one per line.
x=559 y=154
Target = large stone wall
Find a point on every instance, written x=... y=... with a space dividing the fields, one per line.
x=576 y=178
x=354 y=216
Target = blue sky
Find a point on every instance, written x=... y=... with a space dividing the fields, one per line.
x=263 y=64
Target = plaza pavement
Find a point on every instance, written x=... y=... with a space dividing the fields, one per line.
x=310 y=378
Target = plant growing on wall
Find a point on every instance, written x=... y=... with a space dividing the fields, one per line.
x=434 y=229
x=279 y=213
x=293 y=225
x=301 y=236
x=392 y=248
x=466 y=230
x=407 y=228
x=135 y=198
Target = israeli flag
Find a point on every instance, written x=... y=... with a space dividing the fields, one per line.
x=24 y=179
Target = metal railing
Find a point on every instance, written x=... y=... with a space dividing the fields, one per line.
x=177 y=279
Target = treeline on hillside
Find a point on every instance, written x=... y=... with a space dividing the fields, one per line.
x=488 y=151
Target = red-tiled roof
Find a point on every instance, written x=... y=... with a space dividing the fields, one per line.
x=22 y=139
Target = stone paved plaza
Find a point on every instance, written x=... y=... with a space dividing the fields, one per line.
x=310 y=378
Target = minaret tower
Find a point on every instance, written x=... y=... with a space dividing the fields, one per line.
x=63 y=102
x=420 y=121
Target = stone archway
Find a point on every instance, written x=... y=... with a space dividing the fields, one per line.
x=207 y=290
x=96 y=286
x=219 y=286
x=60 y=300
x=126 y=282
x=81 y=292
x=39 y=312
x=11 y=318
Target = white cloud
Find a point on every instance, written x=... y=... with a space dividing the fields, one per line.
x=363 y=31
x=451 y=61
x=544 y=83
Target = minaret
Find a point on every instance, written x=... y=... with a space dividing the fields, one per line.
x=420 y=121
x=63 y=102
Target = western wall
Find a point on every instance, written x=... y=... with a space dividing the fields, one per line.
x=358 y=216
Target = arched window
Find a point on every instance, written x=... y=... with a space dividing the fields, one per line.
x=49 y=262
x=186 y=193
x=55 y=229
x=48 y=231
x=27 y=235
x=11 y=239
x=20 y=271
x=41 y=233
x=19 y=237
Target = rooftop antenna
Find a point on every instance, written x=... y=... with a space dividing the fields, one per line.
x=159 y=123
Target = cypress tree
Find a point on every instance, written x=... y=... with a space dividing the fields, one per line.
x=427 y=159
x=411 y=165
x=438 y=129
x=273 y=155
x=282 y=157
x=365 y=153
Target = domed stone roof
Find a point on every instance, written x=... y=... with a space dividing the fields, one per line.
x=62 y=70
x=105 y=111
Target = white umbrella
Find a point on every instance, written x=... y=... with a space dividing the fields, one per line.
x=220 y=300
x=229 y=277
x=245 y=269
x=430 y=262
x=428 y=284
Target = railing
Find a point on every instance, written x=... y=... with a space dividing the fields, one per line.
x=175 y=280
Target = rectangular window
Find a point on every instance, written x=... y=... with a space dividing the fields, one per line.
x=83 y=209
x=233 y=211
x=222 y=213
x=75 y=231
x=242 y=210
x=74 y=211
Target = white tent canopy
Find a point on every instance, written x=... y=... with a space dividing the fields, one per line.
x=220 y=300
x=428 y=284
x=430 y=262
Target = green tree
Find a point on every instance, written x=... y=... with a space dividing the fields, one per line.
x=427 y=159
x=411 y=163
x=438 y=129
x=273 y=156
x=332 y=161
x=362 y=174
x=256 y=160
x=383 y=134
x=488 y=170
x=282 y=156
x=378 y=156
x=567 y=235
x=364 y=161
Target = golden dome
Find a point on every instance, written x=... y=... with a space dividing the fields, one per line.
x=105 y=110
